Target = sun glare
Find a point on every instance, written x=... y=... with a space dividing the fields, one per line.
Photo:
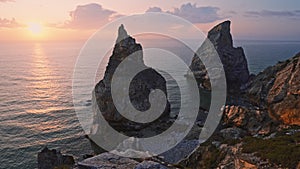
x=35 y=28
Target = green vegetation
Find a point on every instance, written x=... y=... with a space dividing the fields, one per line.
x=206 y=157
x=231 y=142
x=284 y=150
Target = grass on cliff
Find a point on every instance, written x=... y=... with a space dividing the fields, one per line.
x=283 y=150
x=206 y=157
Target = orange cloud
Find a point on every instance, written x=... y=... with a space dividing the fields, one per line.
x=10 y=23
x=90 y=16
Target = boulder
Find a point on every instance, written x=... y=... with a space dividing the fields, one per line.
x=53 y=159
x=232 y=133
x=180 y=151
x=107 y=161
x=110 y=160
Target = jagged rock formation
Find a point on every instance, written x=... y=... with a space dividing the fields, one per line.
x=139 y=90
x=257 y=115
x=249 y=119
x=233 y=59
x=247 y=137
x=140 y=87
x=278 y=89
x=51 y=159
x=225 y=156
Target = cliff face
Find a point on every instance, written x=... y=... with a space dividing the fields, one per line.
x=260 y=128
x=233 y=59
x=278 y=89
x=139 y=89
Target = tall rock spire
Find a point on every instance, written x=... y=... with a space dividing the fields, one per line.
x=233 y=59
x=140 y=87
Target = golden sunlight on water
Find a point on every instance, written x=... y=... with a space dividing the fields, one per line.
x=36 y=102
x=42 y=85
x=42 y=88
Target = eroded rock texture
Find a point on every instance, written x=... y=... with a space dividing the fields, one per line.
x=139 y=89
x=233 y=59
x=277 y=89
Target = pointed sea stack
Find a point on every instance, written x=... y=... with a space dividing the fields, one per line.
x=233 y=59
x=140 y=87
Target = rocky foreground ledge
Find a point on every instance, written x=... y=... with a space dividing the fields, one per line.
x=260 y=127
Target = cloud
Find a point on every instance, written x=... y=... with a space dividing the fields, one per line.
x=270 y=13
x=154 y=9
x=9 y=23
x=193 y=13
x=6 y=0
x=93 y=16
x=90 y=16
x=232 y=12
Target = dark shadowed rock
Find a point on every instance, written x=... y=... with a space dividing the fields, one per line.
x=50 y=159
x=233 y=59
x=141 y=85
x=232 y=133
x=180 y=151
x=150 y=165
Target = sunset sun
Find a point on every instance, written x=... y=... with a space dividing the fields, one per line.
x=35 y=28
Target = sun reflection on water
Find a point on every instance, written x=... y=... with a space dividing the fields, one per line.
x=42 y=89
x=42 y=86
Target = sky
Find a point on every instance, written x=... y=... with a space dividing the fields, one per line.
x=78 y=19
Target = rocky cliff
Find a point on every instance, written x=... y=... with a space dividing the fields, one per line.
x=260 y=128
x=233 y=59
x=278 y=90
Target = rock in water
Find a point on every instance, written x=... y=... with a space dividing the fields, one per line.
x=140 y=87
x=50 y=159
x=233 y=59
x=277 y=89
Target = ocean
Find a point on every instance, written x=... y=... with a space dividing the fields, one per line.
x=36 y=105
